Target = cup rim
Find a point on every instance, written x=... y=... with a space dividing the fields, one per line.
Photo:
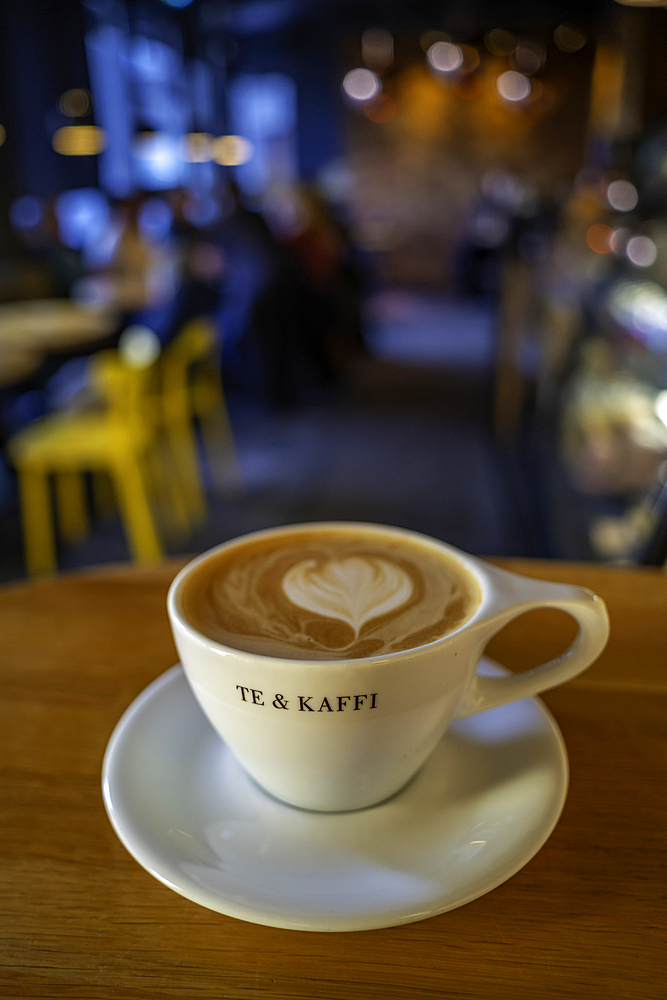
x=472 y=564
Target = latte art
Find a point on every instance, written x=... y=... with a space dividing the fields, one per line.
x=327 y=593
x=354 y=589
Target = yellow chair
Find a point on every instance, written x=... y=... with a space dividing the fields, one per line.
x=191 y=389
x=116 y=439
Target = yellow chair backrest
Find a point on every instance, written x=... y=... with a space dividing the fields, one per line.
x=125 y=390
x=196 y=342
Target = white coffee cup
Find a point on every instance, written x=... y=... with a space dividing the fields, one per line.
x=384 y=714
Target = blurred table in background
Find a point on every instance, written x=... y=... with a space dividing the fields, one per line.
x=31 y=330
x=585 y=917
x=17 y=364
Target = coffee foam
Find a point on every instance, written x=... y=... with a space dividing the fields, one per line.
x=353 y=589
x=328 y=594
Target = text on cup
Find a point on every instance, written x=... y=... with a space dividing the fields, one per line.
x=309 y=703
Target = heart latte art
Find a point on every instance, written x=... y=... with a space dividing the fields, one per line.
x=353 y=590
x=336 y=593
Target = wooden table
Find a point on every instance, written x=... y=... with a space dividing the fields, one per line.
x=52 y=324
x=80 y=919
x=33 y=329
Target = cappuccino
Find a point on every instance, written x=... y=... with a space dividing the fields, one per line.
x=328 y=593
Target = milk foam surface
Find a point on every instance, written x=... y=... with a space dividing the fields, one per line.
x=328 y=594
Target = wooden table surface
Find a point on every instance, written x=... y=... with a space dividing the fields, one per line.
x=31 y=330
x=51 y=324
x=585 y=918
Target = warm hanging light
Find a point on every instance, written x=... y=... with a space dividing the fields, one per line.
x=79 y=140
x=231 y=150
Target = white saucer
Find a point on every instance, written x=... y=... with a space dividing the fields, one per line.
x=477 y=812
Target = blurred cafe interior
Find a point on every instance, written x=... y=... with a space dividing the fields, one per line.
x=269 y=261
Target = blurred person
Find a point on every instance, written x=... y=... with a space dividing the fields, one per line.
x=248 y=261
x=139 y=273
x=198 y=272
x=323 y=250
x=270 y=343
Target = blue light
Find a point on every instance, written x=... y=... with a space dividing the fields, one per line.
x=177 y=3
x=26 y=212
x=263 y=108
x=157 y=160
x=83 y=217
x=155 y=219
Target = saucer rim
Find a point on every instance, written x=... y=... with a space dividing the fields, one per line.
x=148 y=857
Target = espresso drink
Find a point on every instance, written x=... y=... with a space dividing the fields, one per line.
x=328 y=594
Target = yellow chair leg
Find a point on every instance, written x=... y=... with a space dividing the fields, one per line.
x=183 y=446
x=167 y=489
x=39 y=543
x=72 y=506
x=136 y=512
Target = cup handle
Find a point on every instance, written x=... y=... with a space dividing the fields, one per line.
x=588 y=610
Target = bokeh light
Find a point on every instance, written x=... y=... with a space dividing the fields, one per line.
x=641 y=251
x=569 y=38
x=158 y=159
x=599 y=237
x=138 y=346
x=75 y=103
x=528 y=58
x=500 y=43
x=513 y=86
x=361 y=84
x=83 y=216
x=377 y=49
x=232 y=150
x=622 y=195
x=26 y=212
x=661 y=406
x=155 y=219
x=79 y=140
x=618 y=240
x=445 y=57
x=641 y=306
